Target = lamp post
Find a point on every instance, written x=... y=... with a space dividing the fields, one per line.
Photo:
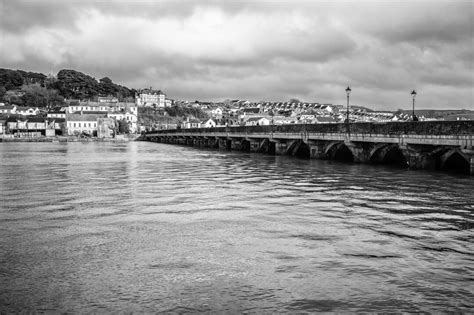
x=413 y=95
x=348 y=91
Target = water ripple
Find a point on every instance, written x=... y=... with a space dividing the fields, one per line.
x=143 y=227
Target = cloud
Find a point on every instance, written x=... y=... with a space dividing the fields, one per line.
x=258 y=50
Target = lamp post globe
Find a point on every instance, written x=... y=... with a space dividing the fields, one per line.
x=348 y=91
x=413 y=95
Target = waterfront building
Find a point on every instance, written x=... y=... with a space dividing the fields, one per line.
x=78 y=124
x=126 y=115
x=105 y=128
x=34 y=126
x=116 y=110
x=2 y=126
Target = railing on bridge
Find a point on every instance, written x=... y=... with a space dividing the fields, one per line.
x=390 y=128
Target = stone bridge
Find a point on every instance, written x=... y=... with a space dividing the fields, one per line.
x=436 y=145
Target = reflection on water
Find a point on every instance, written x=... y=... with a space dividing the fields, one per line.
x=145 y=227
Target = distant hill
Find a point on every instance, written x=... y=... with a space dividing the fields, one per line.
x=448 y=114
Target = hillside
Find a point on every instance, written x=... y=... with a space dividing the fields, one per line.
x=36 y=89
x=440 y=113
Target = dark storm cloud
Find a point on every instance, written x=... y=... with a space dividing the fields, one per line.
x=21 y=15
x=420 y=21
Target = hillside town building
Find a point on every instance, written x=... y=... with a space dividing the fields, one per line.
x=150 y=98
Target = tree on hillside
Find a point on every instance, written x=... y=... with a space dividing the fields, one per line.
x=3 y=91
x=181 y=111
x=76 y=84
x=32 y=77
x=37 y=96
x=10 y=79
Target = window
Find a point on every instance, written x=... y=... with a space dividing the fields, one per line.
x=74 y=125
x=79 y=125
x=89 y=125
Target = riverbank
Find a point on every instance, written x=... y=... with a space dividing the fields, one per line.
x=69 y=139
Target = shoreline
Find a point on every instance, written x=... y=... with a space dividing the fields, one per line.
x=68 y=139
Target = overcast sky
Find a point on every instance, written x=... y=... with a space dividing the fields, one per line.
x=255 y=50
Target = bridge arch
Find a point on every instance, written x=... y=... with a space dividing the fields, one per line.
x=387 y=153
x=302 y=150
x=455 y=161
x=339 y=151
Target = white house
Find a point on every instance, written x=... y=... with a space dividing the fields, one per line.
x=257 y=121
x=192 y=123
x=128 y=116
x=216 y=112
x=8 y=109
x=26 y=111
x=56 y=114
x=108 y=99
x=149 y=97
x=307 y=119
x=101 y=107
x=208 y=123
x=2 y=126
x=324 y=120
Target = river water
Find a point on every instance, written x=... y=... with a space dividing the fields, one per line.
x=146 y=227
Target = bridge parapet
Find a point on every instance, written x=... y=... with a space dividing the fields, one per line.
x=390 y=128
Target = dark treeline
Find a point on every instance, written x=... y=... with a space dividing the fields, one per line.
x=36 y=89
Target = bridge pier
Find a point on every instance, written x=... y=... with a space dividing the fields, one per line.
x=360 y=151
x=235 y=144
x=281 y=147
x=212 y=143
x=316 y=149
x=225 y=144
x=471 y=165
x=255 y=145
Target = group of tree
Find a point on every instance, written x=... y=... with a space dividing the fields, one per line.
x=75 y=84
x=36 y=89
x=14 y=79
x=184 y=111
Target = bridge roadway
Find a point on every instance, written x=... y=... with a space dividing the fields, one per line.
x=443 y=145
